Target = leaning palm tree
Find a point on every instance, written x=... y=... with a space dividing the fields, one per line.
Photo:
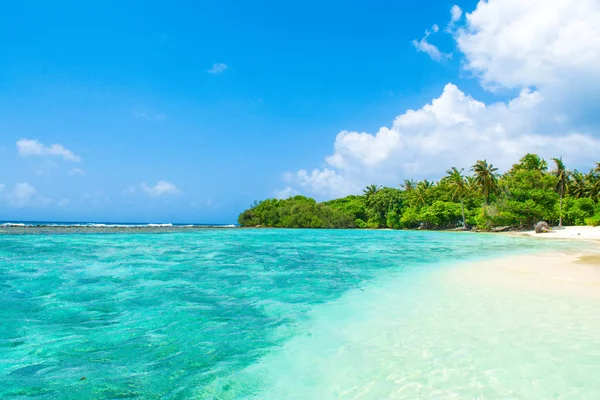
x=562 y=179
x=486 y=178
x=371 y=190
x=456 y=181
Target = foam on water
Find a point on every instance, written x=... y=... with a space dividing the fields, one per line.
x=283 y=314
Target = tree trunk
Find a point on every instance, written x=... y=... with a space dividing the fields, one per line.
x=560 y=211
x=462 y=205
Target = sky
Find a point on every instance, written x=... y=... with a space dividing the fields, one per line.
x=146 y=111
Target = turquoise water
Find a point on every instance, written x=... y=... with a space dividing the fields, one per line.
x=279 y=314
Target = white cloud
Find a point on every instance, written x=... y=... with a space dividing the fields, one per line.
x=548 y=49
x=286 y=193
x=160 y=189
x=30 y=147
x=455 y=13
x=453 y=130
x=516 y=43
x=76 y=171
x=25 y=195
x=322 y=182
x=431 y=50
x=217 y=68
x=22 y=195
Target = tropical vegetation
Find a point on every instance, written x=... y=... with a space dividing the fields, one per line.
x=480 y=198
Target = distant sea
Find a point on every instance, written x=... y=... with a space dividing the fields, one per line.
x=106 y=224
x=283 y=314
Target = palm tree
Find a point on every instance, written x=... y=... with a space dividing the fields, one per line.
x=593 y=182
x=533 y=162
x=456 y=181
x=409 y=185
x=371 y=190
x=486 y=178
x=471 y=183
x=578 y=187
x=421 y=191
x=562 y=176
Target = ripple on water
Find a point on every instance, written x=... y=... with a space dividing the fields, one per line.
x=280 y=314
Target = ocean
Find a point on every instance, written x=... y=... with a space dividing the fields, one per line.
x=284 y=314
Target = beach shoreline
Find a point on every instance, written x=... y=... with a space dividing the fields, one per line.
x=567 y=232
x=571 y=272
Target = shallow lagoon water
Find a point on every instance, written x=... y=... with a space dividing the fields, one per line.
x=297 y=314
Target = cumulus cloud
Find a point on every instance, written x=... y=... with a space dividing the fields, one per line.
x=515 y=43
x=31 y=147
x=161 y=188
x=455 y=13
x=217 y=68
x=548 y=50
x=431 y=50
x=322 y=182
x=453 y=130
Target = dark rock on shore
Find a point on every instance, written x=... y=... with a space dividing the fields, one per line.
x=542 y=227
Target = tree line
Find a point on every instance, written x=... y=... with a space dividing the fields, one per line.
x=483 y=198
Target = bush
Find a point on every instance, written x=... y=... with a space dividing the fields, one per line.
x=442 y=214
x=576 y=211
x=593 y=220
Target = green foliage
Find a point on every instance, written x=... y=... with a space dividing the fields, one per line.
x=410 y=218
x=441 y=214
x=355 y=206
x=485 y=179
x=295 y=212
x=593 y=220
x=576 y=211
x=524 y=195
x=380 y=203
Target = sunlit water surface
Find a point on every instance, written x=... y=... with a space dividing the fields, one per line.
x=284 y=314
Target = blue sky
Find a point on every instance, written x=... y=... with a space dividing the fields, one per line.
x=187 y=112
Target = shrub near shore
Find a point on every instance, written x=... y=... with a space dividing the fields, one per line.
x=525 y=194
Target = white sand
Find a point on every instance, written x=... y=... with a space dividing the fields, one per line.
x=569 y=232
x=569 y=273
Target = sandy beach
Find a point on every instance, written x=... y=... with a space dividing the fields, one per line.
x=569 y=270
x=568 y=232
x=571 y=273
